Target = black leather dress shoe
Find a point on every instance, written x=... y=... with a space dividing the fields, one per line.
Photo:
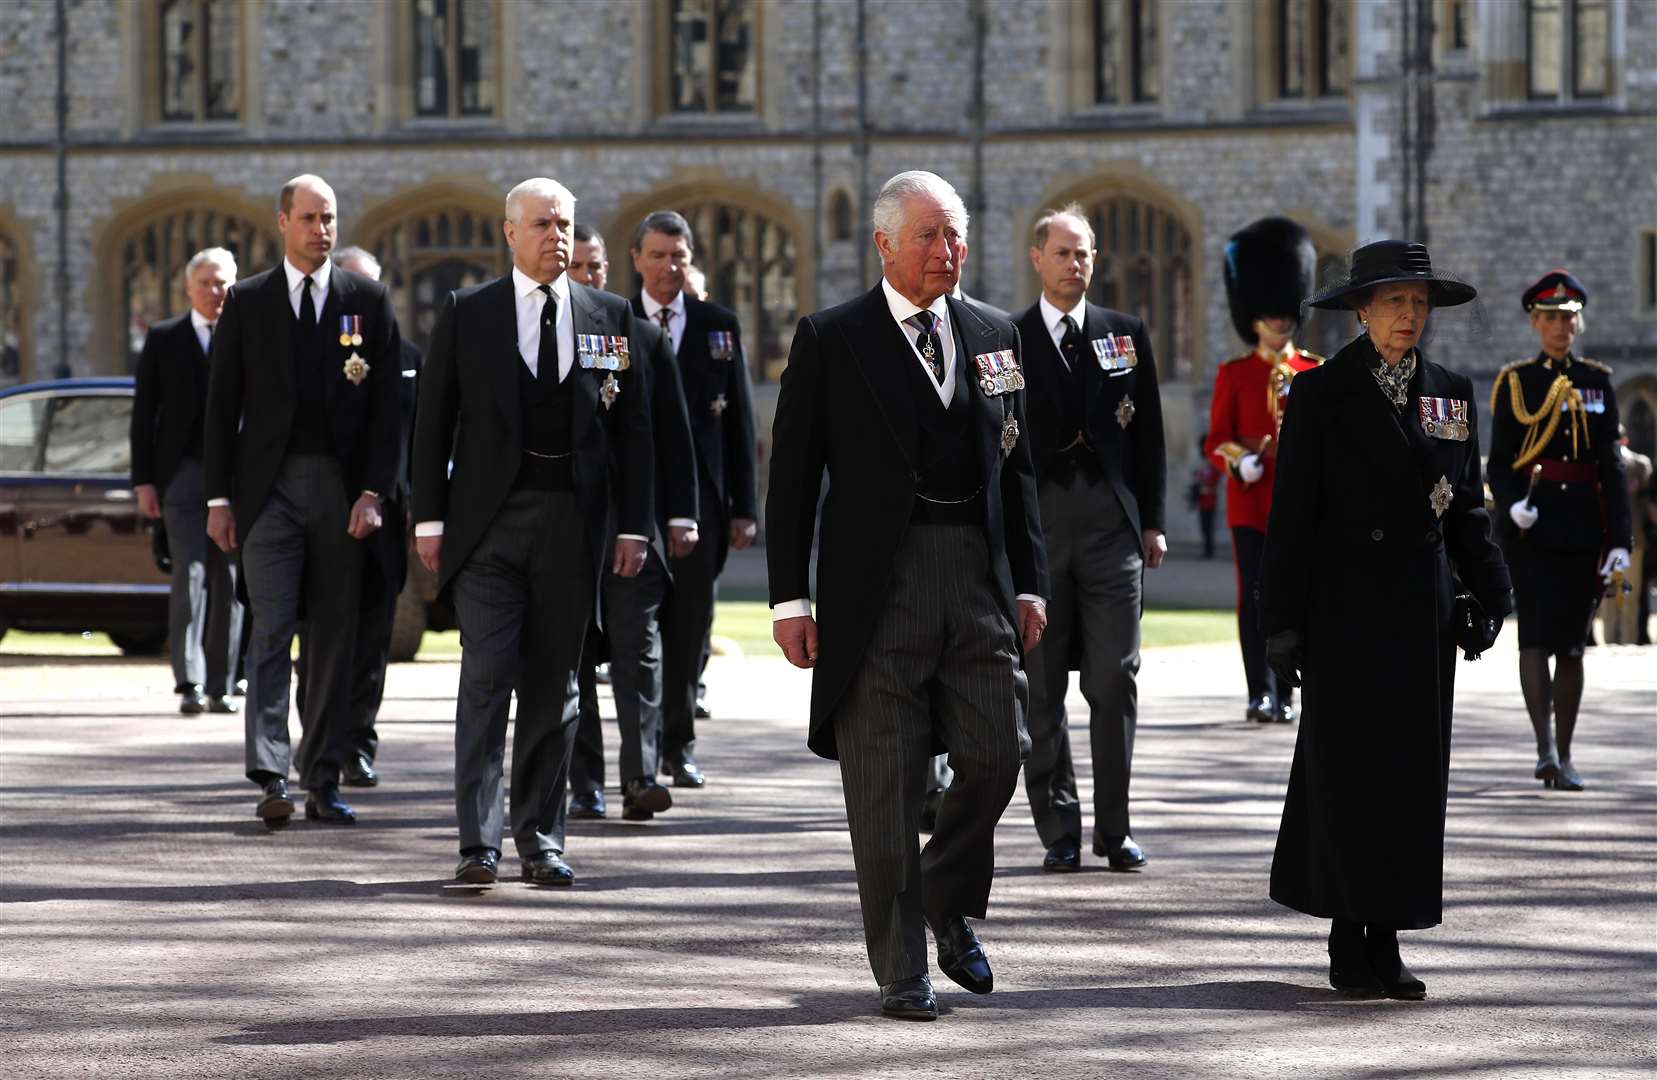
x=240 y=689
x=1260 y=710
x=642 y=799
x=909 y=999
x=684 y=771
x=547 y=868
x=479 y=869
x=1381 y=948
x=359 y=772
x=322 y=803
x=220 y=704
x=191 y=701
x=1120 y=851
x=702 y=712
x=275 y=807
x=961 y=955
x=1284 y=713
x=587 y=805
x=1349 y=968
x=1064 y=855
x=930 y=806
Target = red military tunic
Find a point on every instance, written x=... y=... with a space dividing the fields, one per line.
x=1244 y=417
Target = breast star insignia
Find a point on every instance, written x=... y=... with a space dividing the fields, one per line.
x=356 y=369
x=610 y=390
x=1441 y=496
x=1124 y=411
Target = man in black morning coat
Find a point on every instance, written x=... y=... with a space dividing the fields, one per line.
x=300 y=445
x=930 y=574
x=537 y=390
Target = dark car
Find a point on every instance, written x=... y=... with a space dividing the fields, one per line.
x=74 y=552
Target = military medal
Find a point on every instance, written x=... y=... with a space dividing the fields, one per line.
x=998 y=372
x=1124 y=411
x=1115 y=353
x=356 y=368
x=718 y=405
x=1592 y=400
x=1009 y=436
x=722 y=345
x=1444 y=418
x=609 y=390
x=350 y=331
x=1441 y=496
x=600 y=352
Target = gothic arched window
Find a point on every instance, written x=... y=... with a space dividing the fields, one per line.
x=153 y=254
x=1145 y=268
x=427 y=254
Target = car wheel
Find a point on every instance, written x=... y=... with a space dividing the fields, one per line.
x=139 y=643
x=408 y=625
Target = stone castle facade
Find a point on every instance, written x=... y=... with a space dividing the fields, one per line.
x=1509 y=142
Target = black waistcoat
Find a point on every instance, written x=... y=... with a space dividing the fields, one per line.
x=948 y=459
x=310 y=433
x=547 y=407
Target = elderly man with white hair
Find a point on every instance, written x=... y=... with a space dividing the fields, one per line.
x=204 y=619
x=535 y=388
x=931 y=574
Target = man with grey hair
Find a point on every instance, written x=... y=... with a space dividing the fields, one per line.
x=380 y=591
x=1096 y=441
x=301 y=445
x=204 y=618
x=706 y=340
x=534 y=388
x=931 y=575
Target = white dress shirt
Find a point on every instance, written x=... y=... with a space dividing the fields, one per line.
x=675 y=323
x=902 y=309
x=204 y=331
x=1053 y=319
x=320 y=279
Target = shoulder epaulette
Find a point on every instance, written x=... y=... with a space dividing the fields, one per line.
x=1595 y=364
x=1496 y=386
x=1516 y=364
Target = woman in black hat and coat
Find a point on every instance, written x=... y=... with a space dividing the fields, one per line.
x=1378 y=507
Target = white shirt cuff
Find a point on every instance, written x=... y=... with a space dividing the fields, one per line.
x=682 y=523
x=633 y=536
x=1034 y=599
x=791 y=609
x=218 y=502
x=428 y=528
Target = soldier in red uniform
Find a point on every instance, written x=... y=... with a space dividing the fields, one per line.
x=1269 y=270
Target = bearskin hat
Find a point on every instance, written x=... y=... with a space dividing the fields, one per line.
x=1270 y=269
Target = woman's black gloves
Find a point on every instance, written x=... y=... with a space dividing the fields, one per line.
x=1283 y=656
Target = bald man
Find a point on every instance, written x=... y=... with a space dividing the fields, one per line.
x=300 y=442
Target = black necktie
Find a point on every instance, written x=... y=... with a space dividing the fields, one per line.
x=1070 y=345
x=929 y=344
x=307 y=309
x=210 y=328
x=546 y=358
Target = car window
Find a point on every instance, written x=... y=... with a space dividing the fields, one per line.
x=20 y=433
x=89 y=435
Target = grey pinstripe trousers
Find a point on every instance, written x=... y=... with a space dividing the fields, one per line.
x=943 y=666
x=523 y=600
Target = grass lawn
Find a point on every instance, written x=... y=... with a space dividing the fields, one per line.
x=746 y=622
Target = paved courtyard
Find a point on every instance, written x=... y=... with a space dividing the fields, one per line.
x=150 y=927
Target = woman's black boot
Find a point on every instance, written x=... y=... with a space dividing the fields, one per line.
x=1349 y=968
x=1388 y=966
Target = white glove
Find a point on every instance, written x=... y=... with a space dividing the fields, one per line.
x=1615 y=559
x=1251 y=469
x=1523 y=514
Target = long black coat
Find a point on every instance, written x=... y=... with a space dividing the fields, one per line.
x=1359 y=563
x=169 y=400
x=469 y=410
x=846 y=410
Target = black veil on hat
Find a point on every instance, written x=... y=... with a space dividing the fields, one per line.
x=1270 y=268
x=1385 y=262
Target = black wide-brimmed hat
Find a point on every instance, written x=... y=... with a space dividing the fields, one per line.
x=1386 y=262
